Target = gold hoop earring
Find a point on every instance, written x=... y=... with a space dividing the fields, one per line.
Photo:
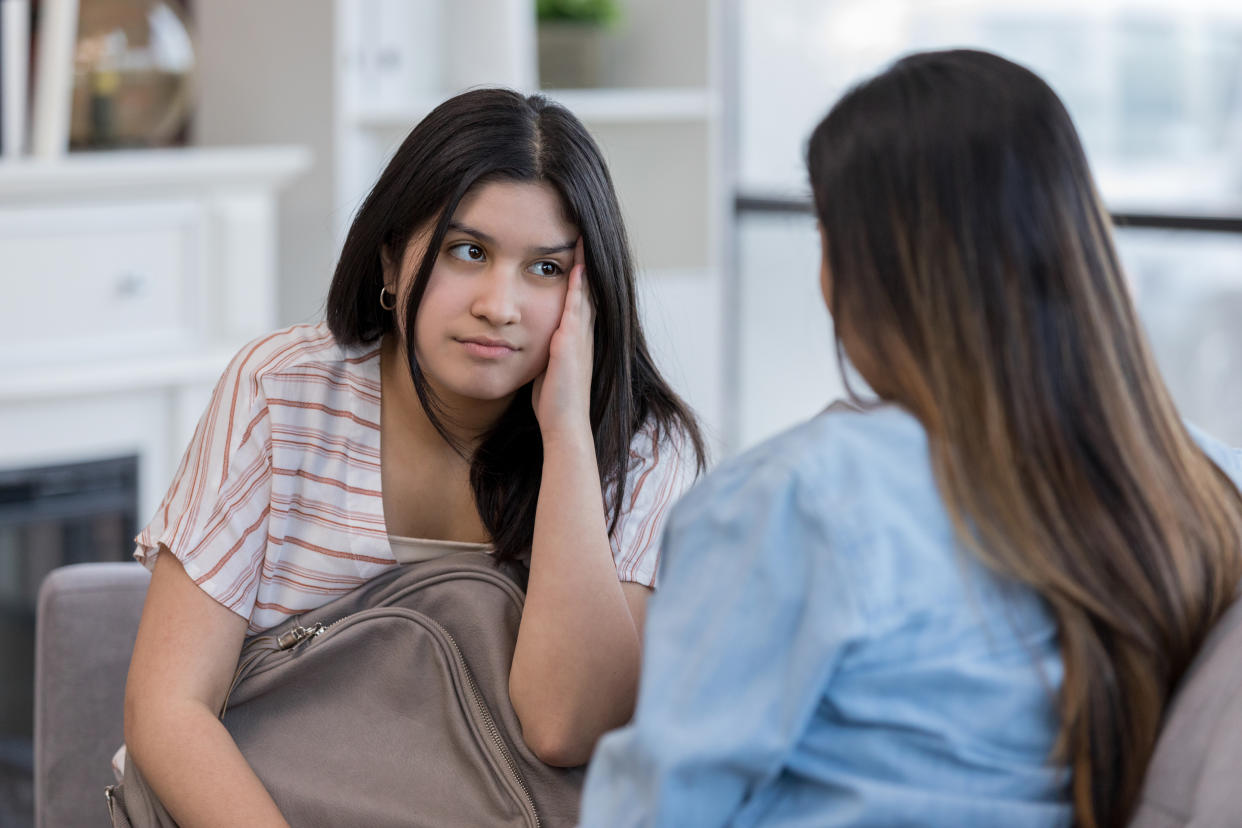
x=384 y=292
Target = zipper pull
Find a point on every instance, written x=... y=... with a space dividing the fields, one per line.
x=299 y=634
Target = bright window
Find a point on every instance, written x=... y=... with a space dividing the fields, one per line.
x=1155 y=89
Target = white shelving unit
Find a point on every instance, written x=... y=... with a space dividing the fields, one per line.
x=599 y=106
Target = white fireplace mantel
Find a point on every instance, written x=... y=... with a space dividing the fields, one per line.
x=127 y=281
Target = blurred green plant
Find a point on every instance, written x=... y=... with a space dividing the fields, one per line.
x=597 y=12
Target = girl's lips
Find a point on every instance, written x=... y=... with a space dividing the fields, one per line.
x=487 y=348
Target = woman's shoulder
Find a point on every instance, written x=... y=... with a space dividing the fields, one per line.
x=305 y=356
x=1229 y=459
x=856 y=482
x=850 y=494
x=843 y=452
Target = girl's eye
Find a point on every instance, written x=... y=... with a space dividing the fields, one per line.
x=467 y=252
x=546 y=269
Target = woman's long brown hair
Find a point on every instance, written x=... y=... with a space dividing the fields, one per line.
x=973 y=279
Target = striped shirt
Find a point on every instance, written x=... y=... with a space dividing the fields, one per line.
x=276 y=507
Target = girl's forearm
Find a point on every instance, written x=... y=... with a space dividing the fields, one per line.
x=575 y=670
x=195 y=768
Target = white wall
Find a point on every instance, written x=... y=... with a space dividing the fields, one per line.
x=266 y=77
x=787 y=369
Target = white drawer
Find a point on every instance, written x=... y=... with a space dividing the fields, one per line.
x=97 y=281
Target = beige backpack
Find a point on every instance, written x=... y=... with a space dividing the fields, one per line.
x=388 y=707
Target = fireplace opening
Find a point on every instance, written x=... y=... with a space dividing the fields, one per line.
x=50 y=516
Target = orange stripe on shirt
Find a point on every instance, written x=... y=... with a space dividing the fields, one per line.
x=332 y=553
x=322 y=507
x=228 y=435
x=647 y=535
x=326 y=452
x=341 y=381
x=325 y=438
x=211 y=573
x=327 y=481
x=336 y=412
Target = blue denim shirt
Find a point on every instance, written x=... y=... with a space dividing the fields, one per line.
x=822 y=651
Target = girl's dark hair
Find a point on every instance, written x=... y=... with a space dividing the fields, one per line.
x=973 y=275
x=490 y=135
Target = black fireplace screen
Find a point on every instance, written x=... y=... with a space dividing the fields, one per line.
x=49 y=517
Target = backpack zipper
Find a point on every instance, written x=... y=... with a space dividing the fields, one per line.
x=491 y=726
x=295 y=636
x=110 y=796
x=291 y=638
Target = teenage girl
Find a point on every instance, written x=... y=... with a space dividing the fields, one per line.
x=481 y=382
x=969 y=603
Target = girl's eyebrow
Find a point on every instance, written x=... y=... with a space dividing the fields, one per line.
x=486 y=239
x=560 y=248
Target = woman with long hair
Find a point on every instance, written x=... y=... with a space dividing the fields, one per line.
x=968 y=601
x=481 y=382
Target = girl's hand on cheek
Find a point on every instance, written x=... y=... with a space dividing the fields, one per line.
x=561 y=395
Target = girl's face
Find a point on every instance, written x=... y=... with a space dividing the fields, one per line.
x=495 y=294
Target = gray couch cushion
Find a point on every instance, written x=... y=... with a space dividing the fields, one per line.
x=1195 y=775
x=88 y=617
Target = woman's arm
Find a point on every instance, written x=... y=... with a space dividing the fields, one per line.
x=575 y=669
x=183 y=662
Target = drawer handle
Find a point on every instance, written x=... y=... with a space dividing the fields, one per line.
x=130 y=286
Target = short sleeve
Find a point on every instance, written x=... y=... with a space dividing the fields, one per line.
x=663 y=466
x=214 y=517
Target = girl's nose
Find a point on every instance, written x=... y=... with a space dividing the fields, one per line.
x=497 y=297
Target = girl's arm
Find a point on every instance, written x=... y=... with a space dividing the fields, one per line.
x=575 y=669
x=184 y=659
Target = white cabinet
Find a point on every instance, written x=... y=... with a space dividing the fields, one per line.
x=121 y=279
x=127 y=281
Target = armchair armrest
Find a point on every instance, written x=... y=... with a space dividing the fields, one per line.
x=84 y=634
